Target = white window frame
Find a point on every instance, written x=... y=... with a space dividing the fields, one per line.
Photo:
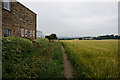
x=8 y=32
x=22 y=32
x=26 y=33
x=6 y=5
x=33 y=33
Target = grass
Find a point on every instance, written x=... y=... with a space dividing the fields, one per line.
x=0 y=57
x=45 y=61
x=93 y=58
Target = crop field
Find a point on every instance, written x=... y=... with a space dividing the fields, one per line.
x=93 y=58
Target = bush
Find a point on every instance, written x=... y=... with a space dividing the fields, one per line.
x=22 y=59
x=42 y=42
x=15 y=47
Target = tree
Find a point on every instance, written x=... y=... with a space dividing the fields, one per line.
x=51 y=37
x=48 y=37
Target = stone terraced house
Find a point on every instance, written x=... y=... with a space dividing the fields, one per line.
x=18 y=20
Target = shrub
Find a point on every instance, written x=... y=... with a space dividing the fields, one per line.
x=42 y=42
x=15 y=47
x=21 y=60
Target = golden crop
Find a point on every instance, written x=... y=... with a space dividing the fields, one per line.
x=93 y=58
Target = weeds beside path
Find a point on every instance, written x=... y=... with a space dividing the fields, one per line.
x=43 y=61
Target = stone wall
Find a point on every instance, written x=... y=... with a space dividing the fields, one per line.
x=19 y=17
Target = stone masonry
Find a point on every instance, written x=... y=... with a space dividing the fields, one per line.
x=19 y=17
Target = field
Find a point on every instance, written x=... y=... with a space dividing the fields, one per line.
x=93 y=58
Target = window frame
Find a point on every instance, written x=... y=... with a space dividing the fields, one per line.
x=22 y=32
x=33 y=33
x=7 y=5
x=8 y=32
x=26 y=33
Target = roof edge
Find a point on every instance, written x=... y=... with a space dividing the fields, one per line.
x=26 y=7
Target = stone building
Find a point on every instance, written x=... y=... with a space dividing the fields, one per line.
x=18 y=20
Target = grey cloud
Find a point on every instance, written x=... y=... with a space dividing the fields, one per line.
x=76 y=19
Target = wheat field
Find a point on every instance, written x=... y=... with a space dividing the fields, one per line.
x=93 y=58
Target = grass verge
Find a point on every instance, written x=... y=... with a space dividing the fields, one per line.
x=44 y=61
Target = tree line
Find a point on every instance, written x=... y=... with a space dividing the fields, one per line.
x=112 y=36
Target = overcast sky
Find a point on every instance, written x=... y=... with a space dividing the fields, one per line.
x=71 y=19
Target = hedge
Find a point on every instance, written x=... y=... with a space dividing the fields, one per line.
x=42 y=42
x=15 y=47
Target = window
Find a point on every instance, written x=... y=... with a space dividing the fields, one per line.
x=22 y=32
x=6 y=5
x=7 y=32
x=30 y=32
x=33 y=33
x=26 y=33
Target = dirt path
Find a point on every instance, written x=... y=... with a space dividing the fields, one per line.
x=68 y=67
